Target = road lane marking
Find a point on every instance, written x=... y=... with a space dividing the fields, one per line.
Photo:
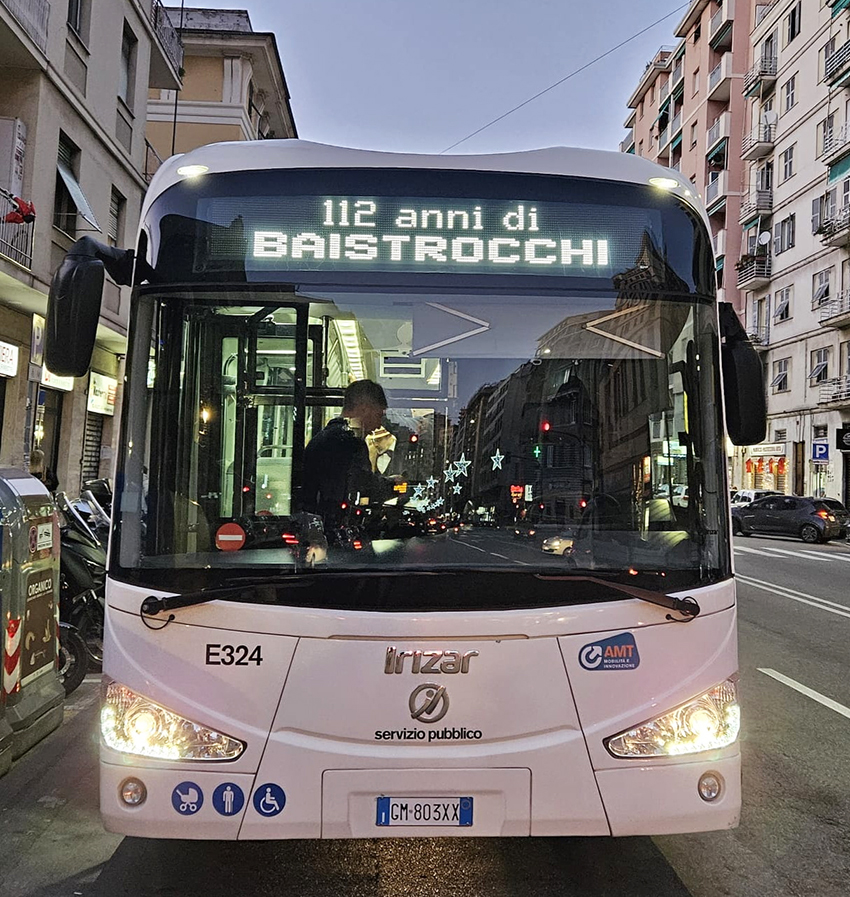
x=504 y=557
x=808 y=692
x=819 y=556
x=765 y=554
x=467 y=544
x=802 y=597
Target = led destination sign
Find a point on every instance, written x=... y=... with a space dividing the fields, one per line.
x=310 y=233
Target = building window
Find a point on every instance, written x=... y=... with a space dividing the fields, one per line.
x=64 y=207
x=826 y=131
x=696 y=82
x=820 y=431
x=78 y=18
x=821 y=284
x=127 y=72
x=789 y=93
x=115 y=228
x=697 y=32
x=792 y=22
x=640 y=109
x=694 y=134
x=819 y=366
x=764 y=177
x=784 y=234
x=782 y=312
x=787 y=159
x=780 y=375
x=825 y=52
x=844 y=359
x=780 y=435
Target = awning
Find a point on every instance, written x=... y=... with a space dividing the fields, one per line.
x=664 y=108
x=680 y=52
x=719 y=150
x=754 y=223
x=841 y=4
x=841 y=169
x=719 y=262
x=676 y=141
x=77 y=195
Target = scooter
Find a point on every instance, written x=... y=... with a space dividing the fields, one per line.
x=82 y=578
x=73 y=658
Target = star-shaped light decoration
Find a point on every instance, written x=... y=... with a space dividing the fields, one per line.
x=457 y=488
x=430 y=482
x=418 y=491
x=438 y=502
x=497 y=459
x=462 y=465
x=451 y=473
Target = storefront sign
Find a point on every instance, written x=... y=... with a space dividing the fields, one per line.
x=102 y=390
x=8 y=360
x=767 y=449
x=842 y=439
x=66 y=384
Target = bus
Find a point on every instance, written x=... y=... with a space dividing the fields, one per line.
x=519 y=618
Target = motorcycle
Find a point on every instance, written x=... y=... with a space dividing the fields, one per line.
x=82 y=580
x=73 y=658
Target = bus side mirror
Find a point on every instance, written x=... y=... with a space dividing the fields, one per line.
x=73 y=304
x=743 y=382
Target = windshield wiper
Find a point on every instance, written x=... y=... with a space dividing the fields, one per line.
x=152 y=605
x=686 y=606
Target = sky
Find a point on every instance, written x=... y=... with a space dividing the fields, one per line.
x=418 y=75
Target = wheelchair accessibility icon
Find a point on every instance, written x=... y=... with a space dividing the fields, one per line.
x=269 y=799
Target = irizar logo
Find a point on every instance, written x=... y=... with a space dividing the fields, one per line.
x=428 y=661
x=616 y=653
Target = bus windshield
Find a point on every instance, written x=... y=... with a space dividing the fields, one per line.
x=536 y=434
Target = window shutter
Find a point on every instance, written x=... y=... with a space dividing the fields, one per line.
x=777 y=238
x=816 y=214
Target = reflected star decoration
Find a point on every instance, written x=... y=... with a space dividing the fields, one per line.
x=497 y=459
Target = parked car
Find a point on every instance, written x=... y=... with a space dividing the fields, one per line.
x=744 y=497
x=812 y=519
x=559 y=544
x=681 y=495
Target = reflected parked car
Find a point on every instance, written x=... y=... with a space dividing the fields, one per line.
x=812 y=519
x=560 y=544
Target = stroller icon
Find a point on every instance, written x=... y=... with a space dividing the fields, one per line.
x=187 y=798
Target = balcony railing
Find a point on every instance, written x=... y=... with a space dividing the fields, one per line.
x=834 y=309
x=834 y=391
x=717 y=188
x=678 y=74
x=32 y=16
x=719 y=242
x=762 y=73
x=628 y=143
x=167 y=34
x=759 y=334
x=837 y=63
x=759 y=142
x=754 y=272
x=835 y=231
x=676 y=125
x=664 y=92
x=759 y=202
x=763 y=8
x=717 y=32
x=720 y=79
x=720 y=129
x=16 y=242
x=836 y=144
x=152 y=162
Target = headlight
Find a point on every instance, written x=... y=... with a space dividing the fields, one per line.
x=133 y=724
x=706 y=723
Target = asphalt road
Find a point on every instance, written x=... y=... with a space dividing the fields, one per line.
x=794 y=839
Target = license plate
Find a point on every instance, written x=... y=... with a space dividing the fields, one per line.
x=424 y=811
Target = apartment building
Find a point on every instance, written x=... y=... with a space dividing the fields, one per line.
x=688 y=114
x=795 y=265
x=233 y=86
x=74 y=80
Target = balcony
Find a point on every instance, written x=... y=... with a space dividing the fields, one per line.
x=761 y=76
x=719 y=243
x=763 y=9
x=753 y=273
x=720 y=29
x=835 y=392
x=835 y=312
x=152 y=162
x=677 y=76
x=758 y=143
x=717 y=190
x=720 y=130
x=759 y=335
x=16 y=242
x=720 y=80
x=166 y=50
x=663 y=91
x=836 y=145
x=31 y=17
x=835 y=231
x=757 y=202
x=837 y=66
x=627 y=145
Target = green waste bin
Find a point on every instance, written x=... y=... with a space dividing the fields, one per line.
x=32 y=692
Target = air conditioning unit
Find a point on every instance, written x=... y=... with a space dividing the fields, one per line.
x=13 y=150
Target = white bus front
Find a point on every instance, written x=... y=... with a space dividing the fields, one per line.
x=488 y=647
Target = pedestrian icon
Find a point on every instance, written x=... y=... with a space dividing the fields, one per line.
x=228 y=799
x=269 y=799
x=187 y=798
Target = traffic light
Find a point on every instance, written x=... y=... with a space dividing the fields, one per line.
x=545 y=426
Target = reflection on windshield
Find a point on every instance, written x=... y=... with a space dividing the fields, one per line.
x=408 y=431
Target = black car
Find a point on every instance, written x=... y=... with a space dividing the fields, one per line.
x=812 y=519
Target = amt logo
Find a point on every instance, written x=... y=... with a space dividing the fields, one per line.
x=619 y=652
